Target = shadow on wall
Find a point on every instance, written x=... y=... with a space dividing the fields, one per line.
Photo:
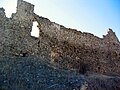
x=35 y=30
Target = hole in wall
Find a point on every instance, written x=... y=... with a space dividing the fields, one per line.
x=35 y=30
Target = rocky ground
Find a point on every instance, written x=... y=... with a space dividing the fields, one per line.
x=32 y=73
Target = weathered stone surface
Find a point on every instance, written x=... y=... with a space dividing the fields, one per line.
x=31 y=73
x=63 y=48
x=70 y=48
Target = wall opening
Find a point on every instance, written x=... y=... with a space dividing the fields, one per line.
x=35 y=30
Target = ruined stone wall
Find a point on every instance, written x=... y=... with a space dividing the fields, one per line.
x=63 y=47
x=69 y=48
x=74 y=36
x=15 y=32
x=2 y=17
x=24 y=11
x=64 y=34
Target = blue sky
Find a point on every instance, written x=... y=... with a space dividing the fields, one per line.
x=93 y=16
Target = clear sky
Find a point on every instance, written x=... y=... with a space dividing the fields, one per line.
x=93 y=16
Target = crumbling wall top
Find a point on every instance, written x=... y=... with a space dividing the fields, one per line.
x=23 y=6
x=2 y=17
x=111 y=37
x=2 y=13
x=24 y=11
x=2 y=10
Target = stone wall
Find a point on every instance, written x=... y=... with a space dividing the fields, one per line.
x=2 y=17
x=76 y=37
x=69 y=48
x=24 y=10
x=15 y=31
x=63 y=47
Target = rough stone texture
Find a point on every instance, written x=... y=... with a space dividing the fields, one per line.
x=63 y=48
x=31 y=73
x=68 y=48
